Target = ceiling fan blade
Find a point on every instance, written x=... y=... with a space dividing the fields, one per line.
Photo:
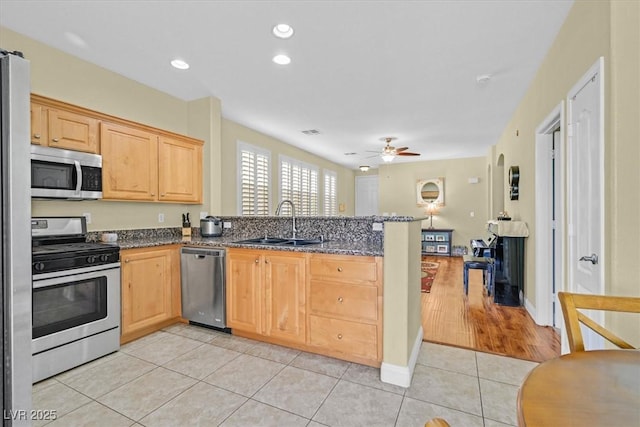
x=404 y=153
x=401 y=149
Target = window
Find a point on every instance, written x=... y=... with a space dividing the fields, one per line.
x=299 y=183
x=330 y=204
x=253 y=180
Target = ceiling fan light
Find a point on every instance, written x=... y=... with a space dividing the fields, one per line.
x=387 y=157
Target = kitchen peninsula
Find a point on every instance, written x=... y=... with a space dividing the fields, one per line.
x=389 y=245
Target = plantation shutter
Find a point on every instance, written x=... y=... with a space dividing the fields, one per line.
x=254 y=180
x=299 y=183
x=330 y=193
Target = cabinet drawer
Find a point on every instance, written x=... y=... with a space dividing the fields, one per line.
x=352 y=338
x=343 y=268
x=334 y=299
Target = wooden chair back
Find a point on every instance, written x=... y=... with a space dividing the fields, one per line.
x=437 y=422
x=572 y=317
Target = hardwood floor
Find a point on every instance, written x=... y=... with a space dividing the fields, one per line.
x=450 y=317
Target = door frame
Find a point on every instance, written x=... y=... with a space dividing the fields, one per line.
x=544 y=183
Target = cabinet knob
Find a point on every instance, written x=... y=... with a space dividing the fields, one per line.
x=162 y=194
x=36 y=135
x=339 y=336
x=266 y=261
x=340 y=300
x=153 y=194
x=340 y=269
x=257 y=260
x=126 y=260
x=55 y=140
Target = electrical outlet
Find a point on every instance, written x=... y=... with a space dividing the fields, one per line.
x=87 y=215
x=377 y=226
x=203 y=215
x=226 y=224
x=160 y=217
x=472 y=214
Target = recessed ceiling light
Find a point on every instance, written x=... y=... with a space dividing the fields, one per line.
x=281 y=59
x=180 y=64
x=282 y=31
x=364 y=168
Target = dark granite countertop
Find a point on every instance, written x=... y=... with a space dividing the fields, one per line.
x=329 y=247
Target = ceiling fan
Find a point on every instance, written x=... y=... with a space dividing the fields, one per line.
x=389 y=152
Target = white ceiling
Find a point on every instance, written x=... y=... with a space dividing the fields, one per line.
x=360 y=70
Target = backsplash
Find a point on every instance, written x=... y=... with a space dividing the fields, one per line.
x=354 y=229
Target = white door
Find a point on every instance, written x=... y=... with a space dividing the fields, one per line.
x=585 y=189
x=366 y=195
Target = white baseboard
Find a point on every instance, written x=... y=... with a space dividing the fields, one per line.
x=401 y=375
x=531 y=310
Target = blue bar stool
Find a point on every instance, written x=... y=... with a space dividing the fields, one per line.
x=480 y=263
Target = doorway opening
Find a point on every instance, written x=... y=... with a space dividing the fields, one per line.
x=549 y=245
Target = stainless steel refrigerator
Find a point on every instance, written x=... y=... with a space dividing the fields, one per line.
x=15 y=265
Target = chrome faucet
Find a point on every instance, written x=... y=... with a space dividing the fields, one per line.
x=293 y=215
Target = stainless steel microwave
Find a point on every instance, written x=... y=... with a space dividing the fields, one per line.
x=65 y=174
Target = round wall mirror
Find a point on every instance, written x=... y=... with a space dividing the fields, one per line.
x=430 y=191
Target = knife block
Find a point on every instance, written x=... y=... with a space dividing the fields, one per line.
x=186 y=231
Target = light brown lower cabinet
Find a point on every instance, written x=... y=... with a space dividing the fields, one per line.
x=150 y=279
x=345 y=307
x=266 y=294
x=326 y=304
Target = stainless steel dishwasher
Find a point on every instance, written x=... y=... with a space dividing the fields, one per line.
x=203 y=286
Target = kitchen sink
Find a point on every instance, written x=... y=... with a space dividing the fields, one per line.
x=302 y=242
x=278 y=241
x=264 y=241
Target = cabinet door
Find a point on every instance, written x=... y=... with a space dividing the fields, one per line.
x=244 y=290
x=146 y=288
x=72 y=131
x=179 y=170
x=129 y=163
x=285 y=296
x=38 y=124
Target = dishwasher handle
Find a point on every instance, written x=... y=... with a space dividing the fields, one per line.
x=201 y=253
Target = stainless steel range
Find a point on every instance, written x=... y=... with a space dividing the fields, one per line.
x=76 y=296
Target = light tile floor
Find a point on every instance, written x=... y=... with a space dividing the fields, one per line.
x=190 y=376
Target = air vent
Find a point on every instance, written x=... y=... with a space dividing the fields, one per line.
x=311 y=132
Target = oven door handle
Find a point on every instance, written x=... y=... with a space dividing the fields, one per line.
x=48 y=279
x=79 y=177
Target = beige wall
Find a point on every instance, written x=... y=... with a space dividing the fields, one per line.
x=397 y=189
x=402 y=318
x=592 y=29
x=623 y=174
x=233 y=132
x=64 y=77
x=583 y=38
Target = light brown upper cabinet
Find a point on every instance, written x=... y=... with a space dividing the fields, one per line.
x=138 y=164
x=61 y=128
x=179 y=170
